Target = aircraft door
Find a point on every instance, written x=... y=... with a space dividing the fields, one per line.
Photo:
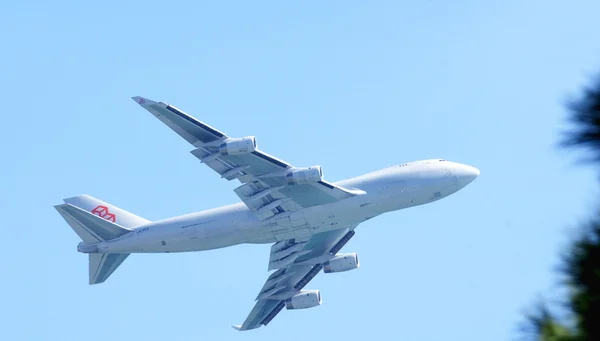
x=190 y=232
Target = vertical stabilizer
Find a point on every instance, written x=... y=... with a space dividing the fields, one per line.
x=105 y=210
x=96 y=221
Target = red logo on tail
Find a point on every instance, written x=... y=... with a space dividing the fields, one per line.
x=102 y=212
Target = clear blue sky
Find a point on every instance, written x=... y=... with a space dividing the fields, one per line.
x=351 y=85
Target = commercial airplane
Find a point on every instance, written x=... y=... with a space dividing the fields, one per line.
x=307 y=218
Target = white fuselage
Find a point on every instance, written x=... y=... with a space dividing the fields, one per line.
x=386 y=190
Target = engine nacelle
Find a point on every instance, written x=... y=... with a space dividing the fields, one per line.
x=305 y=175
x=238 y=146
x=342 y=262
x=304 y=299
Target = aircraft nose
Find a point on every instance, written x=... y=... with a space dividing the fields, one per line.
x=465 y=174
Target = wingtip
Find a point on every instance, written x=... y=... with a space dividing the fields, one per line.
x=237 y=327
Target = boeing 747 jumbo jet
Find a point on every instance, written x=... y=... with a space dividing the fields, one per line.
x=306 y=218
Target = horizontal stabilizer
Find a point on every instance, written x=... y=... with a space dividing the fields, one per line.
x=103 y=265
x=96 y=221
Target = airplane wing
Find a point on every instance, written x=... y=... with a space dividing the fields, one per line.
x=272 y=189
x=270 y=186
x=298 y=263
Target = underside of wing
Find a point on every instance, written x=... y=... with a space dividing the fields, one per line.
x=297 y=263
x=272 y=189
x=270 y=186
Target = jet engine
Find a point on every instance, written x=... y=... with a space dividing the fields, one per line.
x=305 y=175
x=237 y=146
x=342 y=262
x=304 y=299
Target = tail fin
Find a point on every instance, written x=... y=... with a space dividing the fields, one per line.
x=106 y=211
x=95 y=221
